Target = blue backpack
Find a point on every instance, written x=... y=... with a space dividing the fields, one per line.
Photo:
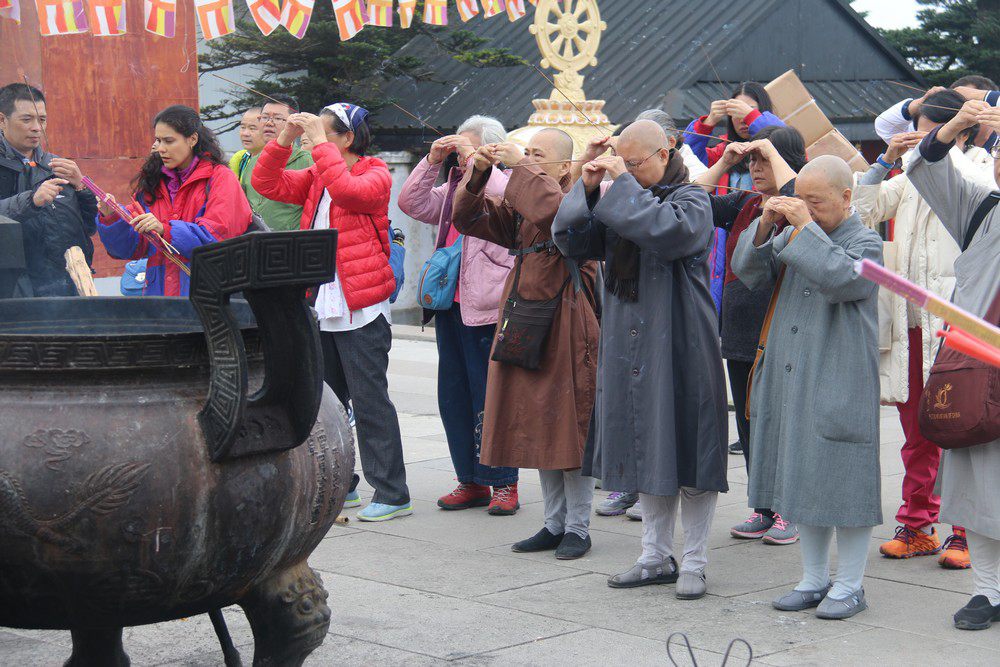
x=439 y=277
x=397 y=260
x=134 y=278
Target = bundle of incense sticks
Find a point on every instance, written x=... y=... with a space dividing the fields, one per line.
x=974 y=326
x=155 y=239
x=970 y=346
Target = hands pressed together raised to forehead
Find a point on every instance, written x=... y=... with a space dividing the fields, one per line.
x=901 y=143
x=792 y=209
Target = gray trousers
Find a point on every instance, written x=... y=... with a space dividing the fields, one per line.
x=567 y=496
x=659 y=514
x=364 y=358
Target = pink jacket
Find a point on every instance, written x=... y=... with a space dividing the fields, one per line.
x=484 y=265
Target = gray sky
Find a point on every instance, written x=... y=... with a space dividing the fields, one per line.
x=889 y=13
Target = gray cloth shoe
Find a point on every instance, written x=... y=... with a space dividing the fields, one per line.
x=642 y=575
x=837 y=609
x=800 y=600
x=691 y=585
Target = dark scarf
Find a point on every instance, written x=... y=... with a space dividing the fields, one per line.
x=622 y=274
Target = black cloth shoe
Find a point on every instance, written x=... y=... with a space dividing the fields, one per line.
x=573 y=546
x=979 y=614
x=736 y=449
x=543 y=540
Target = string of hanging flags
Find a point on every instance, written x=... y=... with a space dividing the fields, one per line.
x=106 y=18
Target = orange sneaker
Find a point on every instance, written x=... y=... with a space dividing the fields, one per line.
x=956 y=553
x=909 y=543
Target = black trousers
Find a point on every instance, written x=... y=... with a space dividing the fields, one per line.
x=363 y=358
x=739 y=375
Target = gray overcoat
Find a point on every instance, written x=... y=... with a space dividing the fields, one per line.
x=814 y=411
x=969 y=479
x=660 y=413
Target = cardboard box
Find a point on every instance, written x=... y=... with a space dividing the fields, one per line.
x=832 y=143
x=787 y=94
x=810 y=122
x=859 y=163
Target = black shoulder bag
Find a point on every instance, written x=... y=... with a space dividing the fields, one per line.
x=525 y=324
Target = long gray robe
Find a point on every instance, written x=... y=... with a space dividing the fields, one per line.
x=969 y=479
x=660 y=414
x=814 y=406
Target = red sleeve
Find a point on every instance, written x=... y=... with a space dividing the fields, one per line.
x=751 y=117
x=227 y=211
x=272 y=180
x=362 y=193
x=701 y=127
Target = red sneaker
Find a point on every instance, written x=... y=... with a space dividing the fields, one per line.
x=504 y=501
x=465 y=496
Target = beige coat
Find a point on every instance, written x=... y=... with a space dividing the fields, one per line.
x=923 y=252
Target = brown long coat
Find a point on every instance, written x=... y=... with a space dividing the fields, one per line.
x=536 y=418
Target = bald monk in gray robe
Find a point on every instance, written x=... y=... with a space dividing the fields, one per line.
x=661 y=414
x=814 y=398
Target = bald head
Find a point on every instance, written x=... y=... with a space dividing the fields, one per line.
x=644 y=134
x=557 y=144
x=825 y=184
x=832 y=169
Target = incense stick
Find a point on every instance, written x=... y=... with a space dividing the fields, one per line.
x=255 y=92
x=589 y=120
x=417 y=118
x=710 y=136
x=34 y=104
x=921 y=90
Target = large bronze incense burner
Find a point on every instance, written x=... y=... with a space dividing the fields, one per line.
x=143 y=478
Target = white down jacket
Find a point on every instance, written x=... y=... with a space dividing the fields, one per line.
x=921 y=251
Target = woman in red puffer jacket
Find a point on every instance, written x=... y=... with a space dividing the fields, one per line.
x=348 y=191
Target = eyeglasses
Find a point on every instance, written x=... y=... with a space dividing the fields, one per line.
x=995 y=150
x=635 y=164
x=267 y=118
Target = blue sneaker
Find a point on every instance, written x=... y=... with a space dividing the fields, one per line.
x=350 y=417
x=353 y=499
x=381 y=512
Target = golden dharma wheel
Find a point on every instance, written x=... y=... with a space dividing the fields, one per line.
x=568 y=33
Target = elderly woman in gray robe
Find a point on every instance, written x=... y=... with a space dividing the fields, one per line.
x=660 y=412
x=969 y=479
x=814 y=397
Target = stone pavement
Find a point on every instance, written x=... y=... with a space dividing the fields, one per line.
x=441 y=587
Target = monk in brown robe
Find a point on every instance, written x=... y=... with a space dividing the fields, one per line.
x=538 y=417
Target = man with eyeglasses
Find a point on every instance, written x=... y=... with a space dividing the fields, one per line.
x=272 y=120
x=661 y=411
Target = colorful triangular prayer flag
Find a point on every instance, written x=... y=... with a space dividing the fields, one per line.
x=106 y=17
x=5 y=4
x=492 y=8
x=12 y=11
x=161 y=16
x=380 y=13
x=61 y=17
x=215 y=17
x=406 y=9
x=295 y=16
x=515 y=9
x=436 y=12
x=467 y=9
x=349 y=18
x=266 y=14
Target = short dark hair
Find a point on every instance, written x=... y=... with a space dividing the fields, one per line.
x=788 y=142
x=362 y=134
x=12 y=92
x=287 y=100
x=941 y=107
x=975 y=81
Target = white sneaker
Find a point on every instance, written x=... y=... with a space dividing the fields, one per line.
x=634 y=512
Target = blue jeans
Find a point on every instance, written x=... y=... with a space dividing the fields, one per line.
x=463 y=359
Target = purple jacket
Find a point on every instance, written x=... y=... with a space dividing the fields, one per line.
x=484 y=265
